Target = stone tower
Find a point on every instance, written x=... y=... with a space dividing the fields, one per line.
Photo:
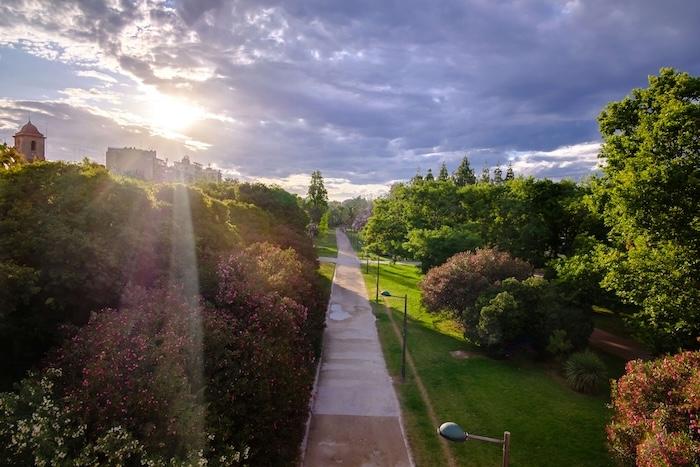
x=30 y=143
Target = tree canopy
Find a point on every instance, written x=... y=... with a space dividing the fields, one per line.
x=649 y=196
x=317 y=197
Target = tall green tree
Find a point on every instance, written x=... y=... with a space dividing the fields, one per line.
x=485 y=175
x=464 y=175
x=510 y=175
x=650 y=198
x=317 y=198
x=444 y=175
x=429 y=177
x=417 y=178
x=497 y=175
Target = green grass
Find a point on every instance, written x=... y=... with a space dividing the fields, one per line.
x=325 y=271
x=325 y=244
x=549 y=423
x=355 y=239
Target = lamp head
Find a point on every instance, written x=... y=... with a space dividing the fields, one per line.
x=452 y=432
x=386 y=293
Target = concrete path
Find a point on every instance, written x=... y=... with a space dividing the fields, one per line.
x=355 y=418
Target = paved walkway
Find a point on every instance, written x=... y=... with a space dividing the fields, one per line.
x=355 y=418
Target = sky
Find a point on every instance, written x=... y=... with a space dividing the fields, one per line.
x=366 y=91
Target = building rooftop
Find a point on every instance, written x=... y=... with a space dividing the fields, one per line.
x=29 y=130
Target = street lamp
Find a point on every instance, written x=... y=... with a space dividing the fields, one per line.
x=377 y=293
x=386 y=293
x=453 y=432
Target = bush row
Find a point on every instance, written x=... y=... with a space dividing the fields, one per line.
x=72 y=238
x=205 y=342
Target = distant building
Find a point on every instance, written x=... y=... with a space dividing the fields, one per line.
x=132 y=162
x=186 y=171
x=142 y=164
x=30 y=142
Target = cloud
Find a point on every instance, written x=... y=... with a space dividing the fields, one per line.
x=575 y=162
x=365 y=91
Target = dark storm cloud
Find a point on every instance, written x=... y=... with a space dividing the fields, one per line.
x=361 y=86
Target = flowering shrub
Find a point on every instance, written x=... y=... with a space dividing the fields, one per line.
x=139 y=368
x=259 y=374
x=656 y=408
x=37 y=428
x=264 y=269
x=456 y=285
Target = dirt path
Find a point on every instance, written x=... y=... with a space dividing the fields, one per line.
x=616 y=345
x=355 y=417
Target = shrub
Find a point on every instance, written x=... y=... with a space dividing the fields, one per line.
x=585 y=372
x=524 y=313
x=259 y=354
x=656 y=412
x=558 y=345
x=38 y=428
x=259 y=370
x=499 y=322
x=139 y=368
x=456 y=285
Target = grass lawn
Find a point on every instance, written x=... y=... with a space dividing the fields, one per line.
x=355 y=239
x=325 y=244
x=325 y=271
x=549 y=423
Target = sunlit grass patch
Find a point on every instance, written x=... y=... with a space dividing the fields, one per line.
x=326 y=244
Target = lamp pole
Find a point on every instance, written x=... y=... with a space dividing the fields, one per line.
x=403 y=351
x=386 y=293
x=377 y=294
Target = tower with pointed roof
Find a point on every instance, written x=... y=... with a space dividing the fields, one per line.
x=30 y=142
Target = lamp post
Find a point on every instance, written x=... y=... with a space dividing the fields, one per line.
x=376 y=298
x=386 y=293
x=453 y=432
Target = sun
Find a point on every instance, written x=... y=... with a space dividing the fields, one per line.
x=170 y=115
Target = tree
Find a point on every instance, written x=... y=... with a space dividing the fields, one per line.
x=510 y=175
x=386 y=230
x=444 y=174
x=497 y=175
x=429 y=176
x=417 y=178
x=529 y=312
x=317 y=198
x=9 y=156
x=485 y=175
x=650 y=198
x=464 y=175
x=434 y=247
